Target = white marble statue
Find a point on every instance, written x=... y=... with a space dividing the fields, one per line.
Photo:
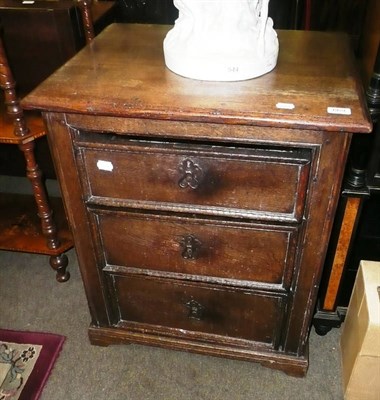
x=221 y=40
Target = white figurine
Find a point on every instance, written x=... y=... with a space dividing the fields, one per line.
x=221 y=40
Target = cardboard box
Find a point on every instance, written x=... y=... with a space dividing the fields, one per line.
x=360 y=340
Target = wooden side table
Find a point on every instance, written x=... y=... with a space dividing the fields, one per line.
x=51 y=31
x=27 y=222
x=201 y=211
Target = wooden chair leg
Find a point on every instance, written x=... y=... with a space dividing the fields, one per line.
x=58 y=262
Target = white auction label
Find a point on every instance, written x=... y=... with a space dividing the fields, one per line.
x=286 y=106
x=104 y=165
x=339 y=110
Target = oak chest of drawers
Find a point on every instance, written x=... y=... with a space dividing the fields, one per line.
x=201 y=211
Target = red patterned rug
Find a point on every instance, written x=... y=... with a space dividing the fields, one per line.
x=26 y=360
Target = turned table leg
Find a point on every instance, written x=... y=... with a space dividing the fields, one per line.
x=58 y=262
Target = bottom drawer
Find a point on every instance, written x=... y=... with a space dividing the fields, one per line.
x=207 y=309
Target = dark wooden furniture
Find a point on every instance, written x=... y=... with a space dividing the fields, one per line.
x=27 y=223
x=146 y=11
x=356 y=227
x=287 y=14
x=356 y=231
x=39 y=37
x=201 y=211
x=338 y=16
x=42 y=35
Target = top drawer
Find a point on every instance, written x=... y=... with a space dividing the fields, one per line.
x=264 y=183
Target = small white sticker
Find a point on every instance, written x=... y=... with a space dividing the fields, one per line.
x=104 y=165
x=339 y=110
x=28 y=2
x=286 y=106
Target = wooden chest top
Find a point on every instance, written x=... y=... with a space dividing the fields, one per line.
x=122 y=73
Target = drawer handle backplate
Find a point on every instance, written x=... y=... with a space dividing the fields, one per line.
x=196 y=310
x=190 y=247
x=191 y=174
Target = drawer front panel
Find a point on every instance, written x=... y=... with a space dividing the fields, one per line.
x=199 y=247
x=262 y=182
x=212 y=310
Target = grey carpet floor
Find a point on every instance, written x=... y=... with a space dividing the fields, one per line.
x=31 y=299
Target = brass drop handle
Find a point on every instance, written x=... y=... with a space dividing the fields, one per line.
x=191 y=174
x=196 y=310
x=190 y=247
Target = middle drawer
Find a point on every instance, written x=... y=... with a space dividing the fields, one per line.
x=197 y=248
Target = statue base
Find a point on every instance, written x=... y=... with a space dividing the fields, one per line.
x=216 y=69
